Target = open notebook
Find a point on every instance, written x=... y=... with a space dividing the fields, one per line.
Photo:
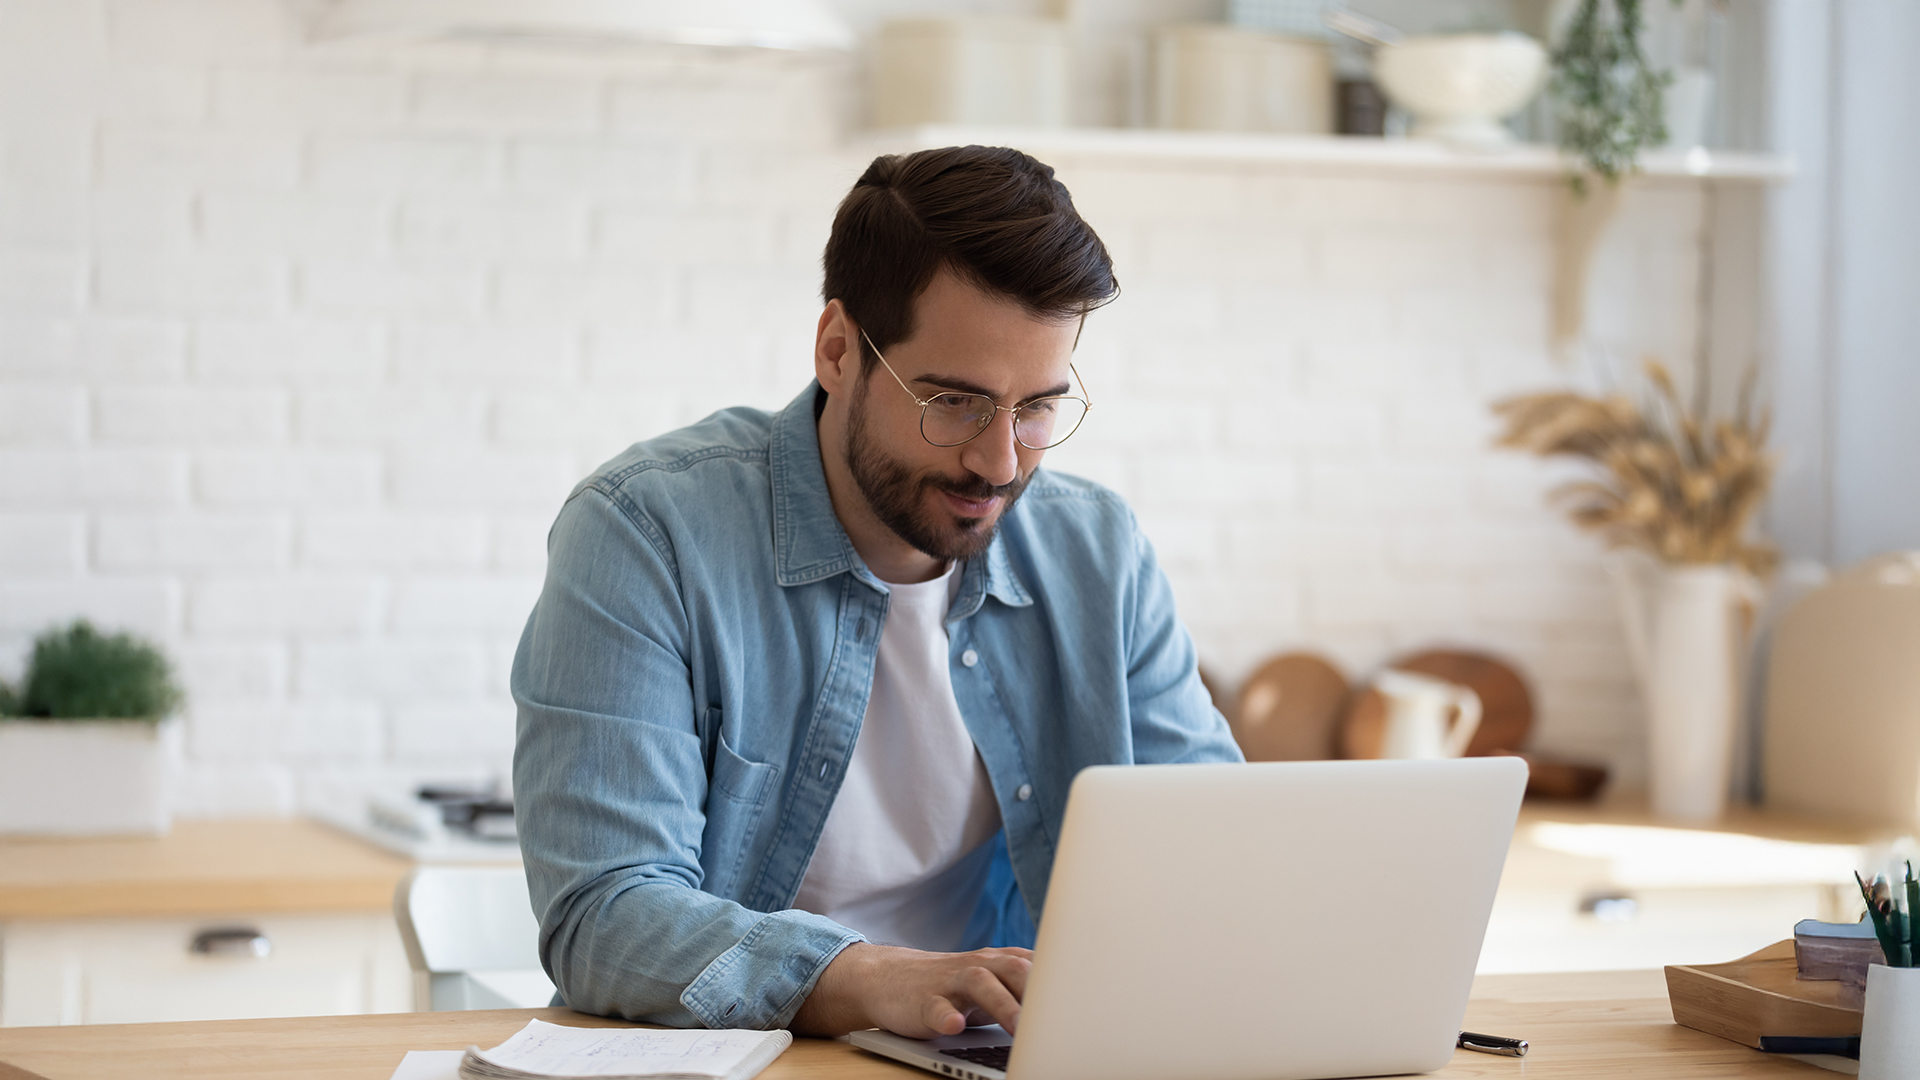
x=542 y=1050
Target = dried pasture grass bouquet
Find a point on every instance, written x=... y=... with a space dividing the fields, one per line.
x=1676 y=484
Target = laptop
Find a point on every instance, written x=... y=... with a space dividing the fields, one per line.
x=1272 y=921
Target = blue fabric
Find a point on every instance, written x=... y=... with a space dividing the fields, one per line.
x=693 y=677
x=1001 y=918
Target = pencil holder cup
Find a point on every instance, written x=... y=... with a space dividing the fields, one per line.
x=1890 y=1031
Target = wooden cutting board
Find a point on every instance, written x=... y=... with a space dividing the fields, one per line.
x=1506 y=707
x=1290 y=709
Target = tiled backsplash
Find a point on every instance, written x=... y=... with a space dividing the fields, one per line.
x=300 y=349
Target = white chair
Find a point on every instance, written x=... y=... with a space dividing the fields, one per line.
x=471 y=938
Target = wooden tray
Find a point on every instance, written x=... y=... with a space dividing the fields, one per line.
x=1760 y=995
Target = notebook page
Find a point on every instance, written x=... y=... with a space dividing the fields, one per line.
x=556 y=1050
x=429 y=1065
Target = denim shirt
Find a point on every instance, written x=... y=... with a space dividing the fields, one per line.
x=694 y=675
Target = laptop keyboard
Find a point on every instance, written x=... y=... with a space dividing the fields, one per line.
x=993 y=1057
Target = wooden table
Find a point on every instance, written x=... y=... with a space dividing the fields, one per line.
x=1606 y=1024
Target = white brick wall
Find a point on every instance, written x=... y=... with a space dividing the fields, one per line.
x=301 y=347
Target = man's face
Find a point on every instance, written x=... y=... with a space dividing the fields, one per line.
x=947 y=501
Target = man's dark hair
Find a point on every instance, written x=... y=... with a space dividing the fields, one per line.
x=995 y=217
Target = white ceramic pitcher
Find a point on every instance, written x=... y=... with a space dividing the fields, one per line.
x=1427 y=718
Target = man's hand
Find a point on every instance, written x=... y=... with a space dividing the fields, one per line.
x=916 y=994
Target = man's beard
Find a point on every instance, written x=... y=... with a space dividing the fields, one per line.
x=897 y=494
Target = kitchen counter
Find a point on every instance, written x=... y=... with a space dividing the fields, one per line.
x=200 y=868
x=98 y=930
x=210 y=867
x=1608 y=886
x=1739 y=819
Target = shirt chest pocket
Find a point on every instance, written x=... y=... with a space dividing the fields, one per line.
x=737 y=792
x=741 y=781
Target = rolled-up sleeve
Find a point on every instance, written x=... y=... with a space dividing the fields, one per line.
x=611 y=782
x=1171 y=713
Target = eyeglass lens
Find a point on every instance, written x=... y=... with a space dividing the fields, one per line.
x=951 y=419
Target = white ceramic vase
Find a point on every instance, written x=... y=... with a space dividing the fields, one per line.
x=1890 y=1031
x=1685 y=636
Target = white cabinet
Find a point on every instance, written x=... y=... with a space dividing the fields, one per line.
x=102 y=930
x=135 y=970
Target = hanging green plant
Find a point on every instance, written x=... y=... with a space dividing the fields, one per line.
x=1607 y=100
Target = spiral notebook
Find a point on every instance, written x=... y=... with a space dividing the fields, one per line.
x=541 y=1051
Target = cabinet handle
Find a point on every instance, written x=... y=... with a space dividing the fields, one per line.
x=1610 y=906
x=242 y=941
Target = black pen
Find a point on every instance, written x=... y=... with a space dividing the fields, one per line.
x=1492 y=1044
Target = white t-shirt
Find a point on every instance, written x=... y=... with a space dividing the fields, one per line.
x=903 y=856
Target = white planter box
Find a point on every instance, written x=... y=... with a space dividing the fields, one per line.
x=88 y=777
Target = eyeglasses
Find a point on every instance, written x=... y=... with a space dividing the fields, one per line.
x=951 y=417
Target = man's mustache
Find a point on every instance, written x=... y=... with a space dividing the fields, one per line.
x=976 y=490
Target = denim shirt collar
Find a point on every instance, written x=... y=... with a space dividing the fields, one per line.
x=811 y=545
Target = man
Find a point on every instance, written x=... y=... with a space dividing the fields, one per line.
x=803 y=694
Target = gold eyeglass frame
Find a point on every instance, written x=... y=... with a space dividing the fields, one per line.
x=1086 y=400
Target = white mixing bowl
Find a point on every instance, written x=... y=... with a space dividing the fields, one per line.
x=1460 y=86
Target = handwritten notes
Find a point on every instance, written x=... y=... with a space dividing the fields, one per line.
x=550 y=1050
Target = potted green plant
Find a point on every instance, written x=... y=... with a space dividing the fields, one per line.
x=1608 y=102
x=89 y=741
x=1608 y=99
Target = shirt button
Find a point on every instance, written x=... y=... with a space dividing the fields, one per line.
x=1025 y=792
x=969 y=658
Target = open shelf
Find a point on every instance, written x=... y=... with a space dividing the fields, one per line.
x=1342 y=153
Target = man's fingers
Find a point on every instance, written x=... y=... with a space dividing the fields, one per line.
x=923 y=995
x=944 y=1017
x=986 y=990
x=1013 y=970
